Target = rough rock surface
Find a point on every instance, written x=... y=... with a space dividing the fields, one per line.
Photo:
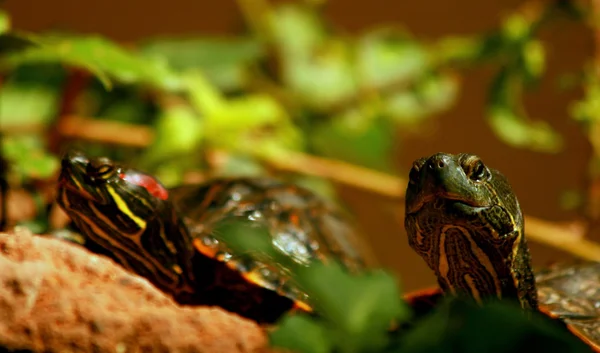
x=58 y=297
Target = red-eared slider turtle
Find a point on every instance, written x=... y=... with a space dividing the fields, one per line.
x=465 y=221
x=166 y=235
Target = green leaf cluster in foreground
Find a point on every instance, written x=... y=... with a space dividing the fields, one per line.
x=366 y=312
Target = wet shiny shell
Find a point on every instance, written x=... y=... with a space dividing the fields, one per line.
x=572 y=293
x=302 y=225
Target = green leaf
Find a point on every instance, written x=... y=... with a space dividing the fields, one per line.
x=355 y=311
x=389 y=57
x=514 y=130
x=296 y=30
x=322 y=80
x=516 y=28
x=438 y=92
x=432 y=94
x=508 y=122
x=178 y=129
x=498 y=327
x=457 y=49
x=404 y=108
x=27 y=104
x=100 y=56
x=4 y=22
x=492 y=46
x=534 y=59
x=203 y=96
x=355 y=138
x=246 y=112
x=359 y=308
x=301 y=334
x=253 y=124
x=587 y=110
x=244 y=237
x=470 y=50
x=179 y=132
x=223 y=61
x=28 y=157
x=240 y=165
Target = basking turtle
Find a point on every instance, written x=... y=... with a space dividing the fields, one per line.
x=166 y=235
x=465 y=221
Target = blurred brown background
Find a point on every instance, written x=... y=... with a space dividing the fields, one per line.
x=539 y=179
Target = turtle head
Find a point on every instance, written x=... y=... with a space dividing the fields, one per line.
x=104 y=183
x=462 y=178
x=463 y=218
x=129 y=214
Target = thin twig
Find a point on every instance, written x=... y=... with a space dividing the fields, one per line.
x=110 y=132
x=569 y=238
x=23 y=129
x=341 y=172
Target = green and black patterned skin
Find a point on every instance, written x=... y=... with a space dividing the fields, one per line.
x=463 y=218
x=166 y=235
x=465 y=221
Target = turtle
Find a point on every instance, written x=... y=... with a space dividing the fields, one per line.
x=167 y=235
x=463 y=218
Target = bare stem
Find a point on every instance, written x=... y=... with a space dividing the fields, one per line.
x=570 y=238
x=341 y=172
x=110 y=132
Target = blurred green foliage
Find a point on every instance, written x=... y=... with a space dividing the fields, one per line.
x=300 y=87
x=291 y=83
x=365 y=312
x=4 y=22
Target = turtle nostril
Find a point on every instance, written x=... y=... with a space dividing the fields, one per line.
x=438 y=162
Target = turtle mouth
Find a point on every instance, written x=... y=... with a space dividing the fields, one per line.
x=71 y=189
x=73 y=176
x=66 y=181
x=422 y=200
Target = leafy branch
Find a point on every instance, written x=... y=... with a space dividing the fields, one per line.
x=569 y=237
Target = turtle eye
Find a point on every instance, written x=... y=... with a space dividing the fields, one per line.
x=478 y=171
x=101 y=168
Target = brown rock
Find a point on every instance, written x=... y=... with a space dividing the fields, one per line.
x=58 y=297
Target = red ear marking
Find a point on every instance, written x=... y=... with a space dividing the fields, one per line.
x=153 y=186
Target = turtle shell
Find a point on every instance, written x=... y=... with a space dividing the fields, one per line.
x=167 y=235
x=302 y=225
x=567 y=292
